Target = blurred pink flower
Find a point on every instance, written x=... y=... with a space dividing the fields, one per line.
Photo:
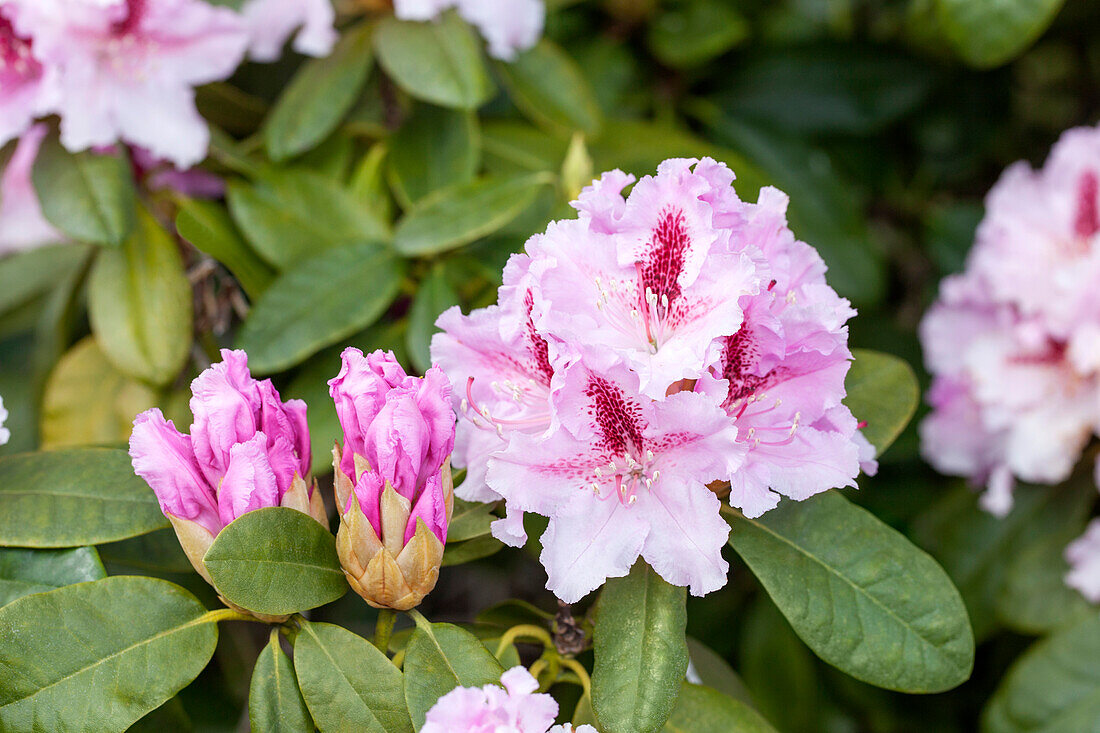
x=26 y=90
x=508 y=26
x=126 y=69
x=516 y=706
x=271 y=22
x=5 y=434
x=22 y=225
x=1083 y=556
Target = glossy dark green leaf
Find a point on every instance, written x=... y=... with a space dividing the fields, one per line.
x=434 y=296
x=513 y=146
x=207 y=225
x=1054 y=686
x=691 y=33
x=440 y=62
x=289 y=215
x=23 y=572
x=322 y=300
x=703 y=710
x=139 y=303
x=86 y=195
x=347 y=683
x=715 y=672
x=439 y=658
x=276 y=561
x=460 y=553
x=150 y=554
x=549 y=88
x=863 y=597
x=457 y=215
x=275 y=703
x=470 y=519
x=319 y=96
x=988 y=33
x=882 y=392
x=28 y=275
x=69 y=498
x=1034 y=598
x=435 y=148
x=641 y=651
x=777 y=668
x=102 y=653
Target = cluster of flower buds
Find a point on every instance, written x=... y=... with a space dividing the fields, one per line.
x=1013 y=342
x=514 y=705
x=393 y=477
x=657 y=345
x=247 y=450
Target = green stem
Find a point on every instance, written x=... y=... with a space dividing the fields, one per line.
x=225 y=614
x=525 y=630
x=383 y=628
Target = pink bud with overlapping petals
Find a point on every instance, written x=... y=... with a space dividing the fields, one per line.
x=393 y=477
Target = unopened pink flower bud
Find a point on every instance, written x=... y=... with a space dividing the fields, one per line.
x=247 y=450
x=393 y=477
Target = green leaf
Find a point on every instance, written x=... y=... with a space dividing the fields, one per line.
x=347 y=683
x=882 y=392
x=208 y=226
x=1034 y=598
x=689 y=34
x=25 y=276
x=139 y=303
x=1054 y=686
x=319 y=96
x=434 y=296
x=276 y=561
x=715 y=672
x=86 y=195
x=69 y=498
x=439 y=62
x=288 y=215
x=458 y=215
x=275 y=704
x=460 y=553
x=703 y=710
x=863 y=597
x=150 y=554
x=470 y=519
x=102 y=654
x=549 y=88
x=23 y=572
x=988 y=33
x=641 y=651
x=435 y=148
x=321 y=301
x=439 y=658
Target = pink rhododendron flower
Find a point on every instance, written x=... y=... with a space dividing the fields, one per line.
x=5 y=434
x=26 y=90
x=514 y=707
x=1013 y=342
x=271 y=22
x=247 y=450
x=126 y=69
x=22 y=225
x=655 y=346
x=508 y=26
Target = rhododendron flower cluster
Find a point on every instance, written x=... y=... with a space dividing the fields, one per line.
x=517 y=707
x=127 y=69
x=247 y=450
x=642 y=357
x=1014 y=341
x=508 y=26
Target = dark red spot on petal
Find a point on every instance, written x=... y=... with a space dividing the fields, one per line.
x=135 y=10
x=16 y=61
x=739 y=357
x=1088 y=219
x=669 y=246
x=536 y=344
x=619 y=420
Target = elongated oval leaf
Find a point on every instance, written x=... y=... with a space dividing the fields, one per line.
x=275 y=703
x=459 y=553
x=988 y=33
x=1034 y=598
x=207 y=225
x=641 y=651
x=863 y=597
x=26 y=275
x=289 y=215
x=88 y=196
x=470 y=519
x=882 y=392
x=319 y=302
x=435 y=148
x=439 y=658
x=69 y=498
x=139 y=303
x=319 y=96
x=276 y=561
x=347 y=683
x=1053 y=687
x=703 y=710
x=457 y=215
x=549 y=88
x=434 y=296
x=100 y=654
x=23 y=572
x=439 y=62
